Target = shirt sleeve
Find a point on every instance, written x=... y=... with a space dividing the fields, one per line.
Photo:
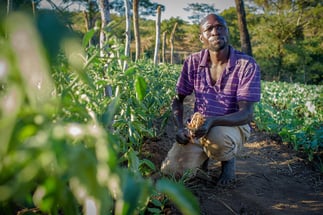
x=249 y=88
x=185 y=84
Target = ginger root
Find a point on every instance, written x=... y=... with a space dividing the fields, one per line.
x=196 y=121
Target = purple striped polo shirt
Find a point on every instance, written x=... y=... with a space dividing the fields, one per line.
x=239 y=82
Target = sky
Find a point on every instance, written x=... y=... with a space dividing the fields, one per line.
x=174 y=8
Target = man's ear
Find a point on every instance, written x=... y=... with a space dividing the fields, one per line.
x=201 y=38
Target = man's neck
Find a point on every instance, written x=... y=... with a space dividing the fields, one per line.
x=220 y=57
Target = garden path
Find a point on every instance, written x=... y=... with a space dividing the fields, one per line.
x=272 y=178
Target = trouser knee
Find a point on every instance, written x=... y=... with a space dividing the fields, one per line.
x=224 y=142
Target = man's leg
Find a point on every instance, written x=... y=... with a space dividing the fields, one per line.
x=223 y=143
x=228 y=169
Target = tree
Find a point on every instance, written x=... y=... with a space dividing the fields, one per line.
x=200 y=10
x=287 y=44
x=168 y=25
x=135 y=4
x=230 y=15
x=242 y=23
x=25 y=5
x=9 y=6
x=145 y=7
x=90 y=17
x=164 y=47
x=89 y=14
x=157 y=35
x=128 y=32
x=33 y=5
x=105 y=20
x=172 y=35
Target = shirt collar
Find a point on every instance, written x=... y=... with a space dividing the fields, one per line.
x=205 y=58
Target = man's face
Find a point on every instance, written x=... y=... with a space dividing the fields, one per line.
x=214 y=33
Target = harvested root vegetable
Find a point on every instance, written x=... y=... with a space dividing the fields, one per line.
x=196 y=121
x=181 y=158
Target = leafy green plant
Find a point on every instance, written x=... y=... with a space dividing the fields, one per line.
x=295 y=112
x=62 y=149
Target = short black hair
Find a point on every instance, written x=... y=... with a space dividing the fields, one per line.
x=220 y=18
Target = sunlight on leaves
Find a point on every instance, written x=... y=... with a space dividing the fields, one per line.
x=3 y=70
x=75 y=130
x=33 y=66
x=141 y=87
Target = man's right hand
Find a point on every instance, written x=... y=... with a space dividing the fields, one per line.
x=182 y=136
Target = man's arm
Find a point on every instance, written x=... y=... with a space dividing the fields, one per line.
x=182 y=135
x=178 y=110
x=242 y=117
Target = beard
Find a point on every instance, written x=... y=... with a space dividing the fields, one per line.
x=217 y=44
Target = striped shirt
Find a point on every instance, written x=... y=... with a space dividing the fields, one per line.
x=239 y=82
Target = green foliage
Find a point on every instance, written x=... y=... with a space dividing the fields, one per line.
x=286 y=40
x=175 y=191
x=295 y=112
x=168 y=25
x=146 y=7
x=285 y=37
x=72 y=128
x=69 y=130
x=24 y=5
x=230 y=15
x=199 y=11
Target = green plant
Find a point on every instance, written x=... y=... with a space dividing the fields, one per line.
x=295 y=112
x=62 y=150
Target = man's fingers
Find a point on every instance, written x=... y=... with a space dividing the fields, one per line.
x=200 y=132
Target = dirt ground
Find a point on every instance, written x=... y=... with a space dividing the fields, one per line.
x=271 y=178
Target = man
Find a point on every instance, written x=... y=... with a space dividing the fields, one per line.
x=226 y=84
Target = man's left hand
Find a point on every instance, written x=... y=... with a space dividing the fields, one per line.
x=203 y=129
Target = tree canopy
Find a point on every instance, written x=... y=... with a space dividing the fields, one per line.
x=286 y=39
x=286 y=36
x=146 y=7
x=199 y=10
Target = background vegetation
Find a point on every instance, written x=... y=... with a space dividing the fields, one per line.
x=286 y=36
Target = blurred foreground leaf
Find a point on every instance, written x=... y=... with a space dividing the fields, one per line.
x=178 y=194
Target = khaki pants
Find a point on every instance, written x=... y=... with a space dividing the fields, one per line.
x=222 y=143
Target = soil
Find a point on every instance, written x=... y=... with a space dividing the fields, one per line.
x=272 y=178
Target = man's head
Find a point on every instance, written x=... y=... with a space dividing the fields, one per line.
x=214 y=32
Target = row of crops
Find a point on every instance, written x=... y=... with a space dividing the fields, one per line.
x=71 y=128
x=295 y=112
